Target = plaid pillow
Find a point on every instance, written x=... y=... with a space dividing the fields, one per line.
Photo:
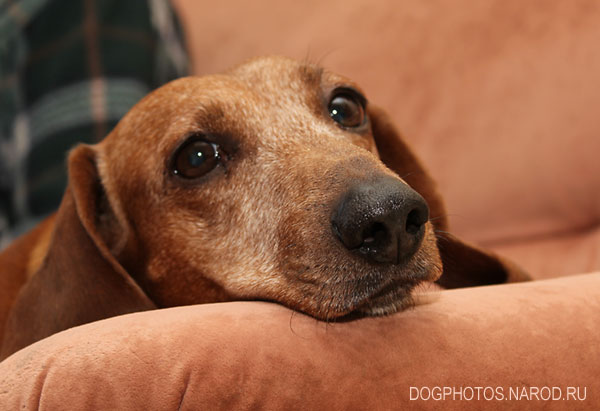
x=69 y=71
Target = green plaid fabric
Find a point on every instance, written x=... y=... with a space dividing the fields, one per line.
x=69 y=70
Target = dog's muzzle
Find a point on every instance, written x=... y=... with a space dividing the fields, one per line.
x=382 y=220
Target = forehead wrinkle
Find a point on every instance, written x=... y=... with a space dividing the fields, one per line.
x=264 y=118
x=225 y=108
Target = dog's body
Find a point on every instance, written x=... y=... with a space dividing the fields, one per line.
x=273 y=181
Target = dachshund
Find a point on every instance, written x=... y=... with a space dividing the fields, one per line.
x=275 y=181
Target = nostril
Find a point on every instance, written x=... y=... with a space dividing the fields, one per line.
x=374 y=240
x=414 y=222
x=375 y=233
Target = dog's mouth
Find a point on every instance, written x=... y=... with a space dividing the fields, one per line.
x=375 y=294
x=342 y=285
x=392 y=298
x=394 y=288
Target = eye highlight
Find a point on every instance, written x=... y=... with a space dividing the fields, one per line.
x=347 y=108
x=195 y=158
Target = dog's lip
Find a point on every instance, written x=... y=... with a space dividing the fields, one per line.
x=398 y=290
x=385 y=288
x=388 y=289
x=391 y=298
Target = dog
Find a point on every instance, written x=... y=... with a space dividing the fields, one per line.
x=273 y=181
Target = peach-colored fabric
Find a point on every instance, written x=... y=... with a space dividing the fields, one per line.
x=499 y=97
x=555 y=255
x=251 y=355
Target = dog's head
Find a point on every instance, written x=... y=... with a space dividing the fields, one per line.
x=263 y=183
x=274 y=181
x=266 y=182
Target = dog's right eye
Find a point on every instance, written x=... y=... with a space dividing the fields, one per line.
x=347 y=108
x=195 y=158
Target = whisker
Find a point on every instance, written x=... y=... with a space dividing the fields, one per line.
x=443 y=235
x=449 y=215
x=292 y=328
x=442 y=232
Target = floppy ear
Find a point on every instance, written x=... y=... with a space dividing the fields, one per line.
x=80 y=280
x=463 y=265
x=396 y=154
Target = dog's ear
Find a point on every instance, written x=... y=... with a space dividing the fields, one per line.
x=79 y=280
x=396 y=154
x=464 y=265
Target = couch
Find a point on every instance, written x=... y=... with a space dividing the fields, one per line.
x=500 y=99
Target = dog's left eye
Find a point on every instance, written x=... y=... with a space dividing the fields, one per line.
x=195 y=158
x=347 y=109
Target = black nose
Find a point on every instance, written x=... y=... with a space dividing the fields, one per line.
x=384 y=220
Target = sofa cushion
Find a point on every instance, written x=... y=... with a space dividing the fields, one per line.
x=251 y=355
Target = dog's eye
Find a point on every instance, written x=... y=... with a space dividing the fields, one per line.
x=195 y=158
x=347 y=109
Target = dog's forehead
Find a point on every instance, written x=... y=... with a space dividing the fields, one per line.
x=273 y=76
x=262 y=91
x=265 y=84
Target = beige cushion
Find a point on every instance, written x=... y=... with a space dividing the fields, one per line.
x=252 y=355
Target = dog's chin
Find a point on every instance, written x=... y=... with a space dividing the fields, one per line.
x=396 y=295
x=389 y=300
x=392 y=297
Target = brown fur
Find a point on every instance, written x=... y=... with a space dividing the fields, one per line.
x=131 y=236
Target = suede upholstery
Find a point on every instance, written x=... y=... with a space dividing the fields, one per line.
x=500 y=100
x=252 y=355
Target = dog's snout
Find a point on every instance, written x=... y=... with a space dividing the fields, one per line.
x=382 y=220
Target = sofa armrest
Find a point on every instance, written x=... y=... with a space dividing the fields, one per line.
x=251 y=354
